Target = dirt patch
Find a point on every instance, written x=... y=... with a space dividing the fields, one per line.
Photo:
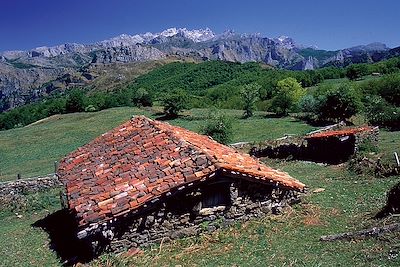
x=311 y=215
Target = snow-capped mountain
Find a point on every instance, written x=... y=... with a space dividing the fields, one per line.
x=196 y=35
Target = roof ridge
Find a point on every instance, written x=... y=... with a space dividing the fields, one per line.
x=218 y=163
x=182 y=138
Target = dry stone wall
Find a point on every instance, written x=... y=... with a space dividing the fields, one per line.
x=12 y=191
x=186 y=215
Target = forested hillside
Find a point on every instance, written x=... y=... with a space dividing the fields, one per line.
x=221 y=84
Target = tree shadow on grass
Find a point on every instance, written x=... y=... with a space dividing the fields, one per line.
x=165 y=117
x=62 y=229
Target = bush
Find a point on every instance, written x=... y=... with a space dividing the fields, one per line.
x=380 y=113
x=142 y=98
x=356 y=71
x=389 y=89
x=90 y=108
x=281 y=104
x=56 y=106
x=308 y=104
x=338 y=104
x=75 y=101
x=219 y=127
x=174 y=103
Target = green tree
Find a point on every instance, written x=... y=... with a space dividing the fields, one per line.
x=356 y=71
x=289 y=92
x=174 y=103
x=75 y=101
x=389 y=89
x=142 y=98
x=338 y=103
x=250 y=95
x=219 y=127
x=56 y=106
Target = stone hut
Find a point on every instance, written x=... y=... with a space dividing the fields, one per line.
x=336 y=146
x=329 y=146
x=147 y=181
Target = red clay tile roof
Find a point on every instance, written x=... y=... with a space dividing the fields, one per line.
x=142 y=159
x=339 y=133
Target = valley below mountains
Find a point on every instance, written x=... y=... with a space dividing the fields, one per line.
x=26 y=76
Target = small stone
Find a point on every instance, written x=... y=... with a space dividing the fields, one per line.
x=133 y=251
x=149 y=220
x=211 y=228
x=318 y=190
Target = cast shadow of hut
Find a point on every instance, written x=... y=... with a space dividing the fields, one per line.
x=61 y=228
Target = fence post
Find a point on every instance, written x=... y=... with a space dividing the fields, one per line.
x=18 y=176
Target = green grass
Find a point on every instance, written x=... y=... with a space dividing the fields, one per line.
x=24 y=245
x=291 y=239
x=32 y=150
x=337 y=82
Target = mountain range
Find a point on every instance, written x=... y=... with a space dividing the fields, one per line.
x=28 y=75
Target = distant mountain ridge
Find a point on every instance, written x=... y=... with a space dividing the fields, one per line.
x=26 y=73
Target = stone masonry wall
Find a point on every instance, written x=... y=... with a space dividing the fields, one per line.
x=13 y=191
x=185 y=215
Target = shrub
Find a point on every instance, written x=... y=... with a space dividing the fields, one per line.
x=174 y=103
x=389 y=89
x=339 y=103
x=56 y=106
x=90 y=108
x=142 y=98
x=219 y=127
x=75 y=101
x=307 y=104
x=356 y=71
x=281 y=104
x=380 y=113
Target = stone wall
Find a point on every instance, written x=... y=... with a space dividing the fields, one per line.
x=13 y=191
x=366 y=138
x=186 y=214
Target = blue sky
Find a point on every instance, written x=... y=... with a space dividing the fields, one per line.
x=331 y=25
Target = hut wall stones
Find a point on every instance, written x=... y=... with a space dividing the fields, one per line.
x=189 y=213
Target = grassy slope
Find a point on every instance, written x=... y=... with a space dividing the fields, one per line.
x=291 y=239
x=24 y=245
x=287 y=240
x=32 y=150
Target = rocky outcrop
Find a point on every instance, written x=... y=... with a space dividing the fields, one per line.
x=125 y=54
x=18 y=85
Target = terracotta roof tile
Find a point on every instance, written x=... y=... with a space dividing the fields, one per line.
x=343 y=132
x=142 y=159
